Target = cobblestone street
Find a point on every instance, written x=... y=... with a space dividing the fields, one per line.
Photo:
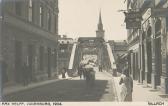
x=74 y=89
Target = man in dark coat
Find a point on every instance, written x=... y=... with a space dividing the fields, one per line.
x=25 y=70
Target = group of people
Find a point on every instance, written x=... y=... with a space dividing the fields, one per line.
x=126 y=83
x=83 y=69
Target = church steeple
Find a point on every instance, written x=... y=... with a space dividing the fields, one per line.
x=100 y=31
x=100 y=25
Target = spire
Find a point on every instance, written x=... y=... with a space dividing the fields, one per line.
x=100 y=25
x=100 y=31
x=100 y=19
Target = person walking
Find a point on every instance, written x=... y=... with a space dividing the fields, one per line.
x=128 y=83
x=80 y=71
x=100 y=68
x=63 y=73
x=25 y=71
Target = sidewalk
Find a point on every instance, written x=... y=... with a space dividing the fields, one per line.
x=17 y=88
x=141 y=93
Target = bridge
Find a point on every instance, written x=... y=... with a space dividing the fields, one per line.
x=95 y=47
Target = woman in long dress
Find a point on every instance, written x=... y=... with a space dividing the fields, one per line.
x=128 y=82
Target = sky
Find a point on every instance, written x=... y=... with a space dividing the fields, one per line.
x=79 y=18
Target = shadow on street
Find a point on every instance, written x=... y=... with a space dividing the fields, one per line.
x=64 y=90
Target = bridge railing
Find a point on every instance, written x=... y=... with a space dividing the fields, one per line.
x=72 y=63
x=111 y=57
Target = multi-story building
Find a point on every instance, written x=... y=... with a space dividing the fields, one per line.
x=29 y=35
x=148 y=45
x=64 y=51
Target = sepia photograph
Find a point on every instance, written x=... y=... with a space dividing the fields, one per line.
x=84 y=51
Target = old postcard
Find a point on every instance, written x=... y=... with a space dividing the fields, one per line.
x=100 y=51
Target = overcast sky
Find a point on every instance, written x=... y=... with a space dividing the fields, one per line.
x=80 y=18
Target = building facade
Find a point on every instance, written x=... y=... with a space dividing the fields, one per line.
x=148 y=45
x=30 y=35
x=64 y=52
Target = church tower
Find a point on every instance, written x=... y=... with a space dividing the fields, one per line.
x=100 y=30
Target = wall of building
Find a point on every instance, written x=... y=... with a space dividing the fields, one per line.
x=23 y=40
x=151 y=50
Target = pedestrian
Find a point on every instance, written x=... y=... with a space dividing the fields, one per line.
x=4 y=72
x=123 y=92
x=84 y=73
x=63 y=73
x=25 y=74
x=128 y=81
x=100 y=68
x=80 y=71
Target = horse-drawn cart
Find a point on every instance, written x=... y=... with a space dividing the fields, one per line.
x=90 y=76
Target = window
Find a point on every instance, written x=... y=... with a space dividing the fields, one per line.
x=41 y=16
x=18 y=8
x=30 y=11
x=49 y=20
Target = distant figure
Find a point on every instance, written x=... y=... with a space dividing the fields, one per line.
x=84 y=73
x=80 y=71
x=100 y=68
x=128 y=81
x=25 y=71
x=63 y=72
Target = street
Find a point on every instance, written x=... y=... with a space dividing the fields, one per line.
x=74 y=89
